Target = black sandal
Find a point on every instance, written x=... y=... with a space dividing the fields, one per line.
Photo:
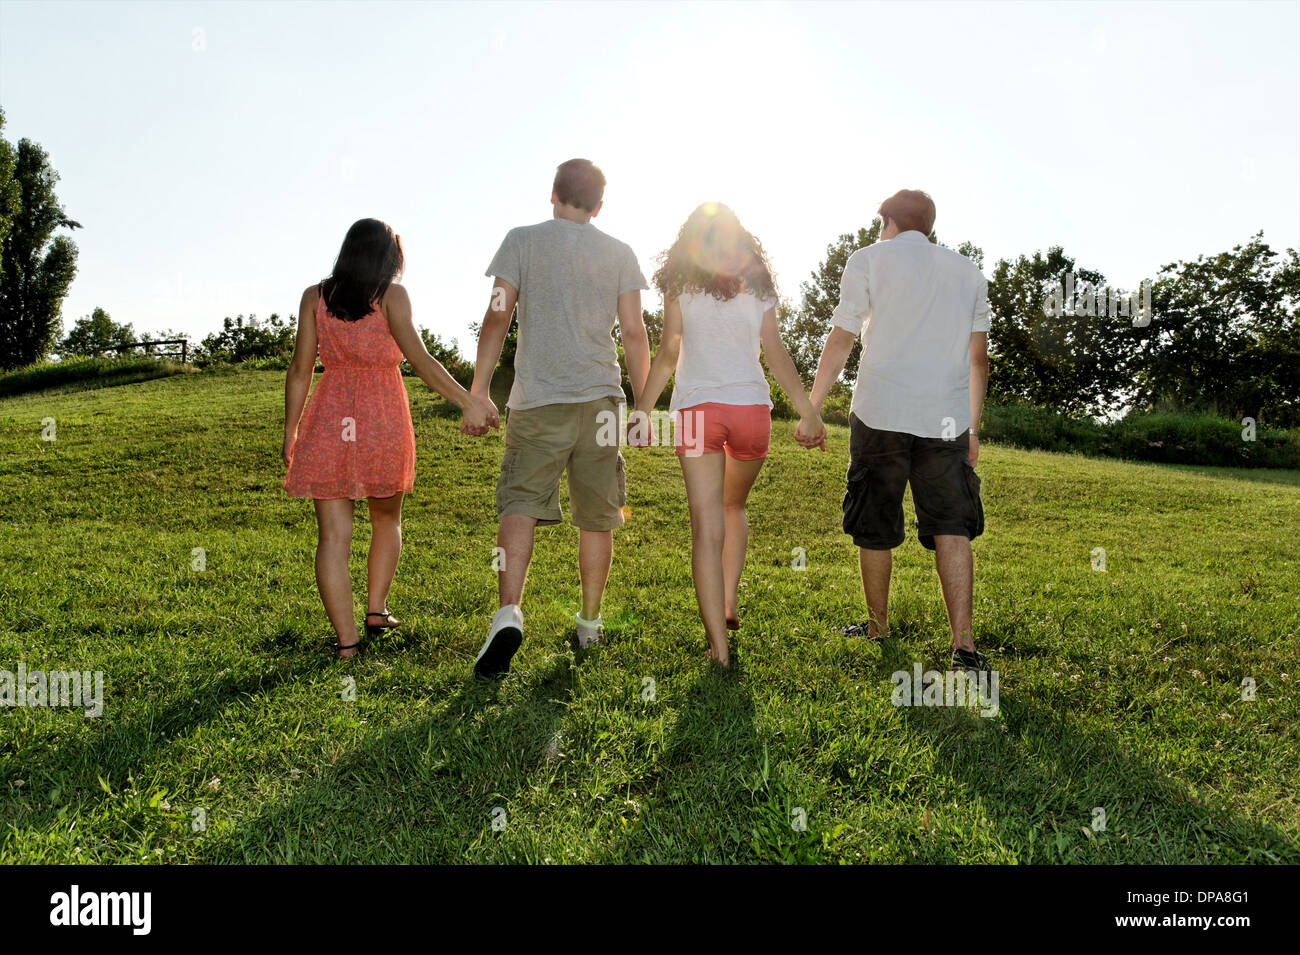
x=338 y=649
x=373 y=630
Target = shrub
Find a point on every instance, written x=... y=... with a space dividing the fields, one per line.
x=448 y=353
x=242 y=340
x=1168 y=437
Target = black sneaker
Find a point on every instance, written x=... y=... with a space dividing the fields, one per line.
x=499 y=649
x=862 y=629
x=970 y=660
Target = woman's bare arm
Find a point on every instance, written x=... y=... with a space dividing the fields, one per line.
x=397 y=309
x=297 y=380
x=665 y=360
x=811 y=431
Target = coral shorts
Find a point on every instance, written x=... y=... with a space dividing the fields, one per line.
x=743 y=431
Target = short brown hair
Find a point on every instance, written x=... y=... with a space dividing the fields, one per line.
x=580 y=183
x=912 y=209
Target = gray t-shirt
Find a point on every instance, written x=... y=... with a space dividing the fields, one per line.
x=569 y=276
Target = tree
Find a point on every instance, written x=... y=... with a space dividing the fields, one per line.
x=35 y=272
x=805 y=329
x=972 y=252
x=1225 y=336
x=654 y=326
x=93 y=334
x=10 y=192
x=448 y=353
x=243 y=339
x=1053 y=341
x=508 y=347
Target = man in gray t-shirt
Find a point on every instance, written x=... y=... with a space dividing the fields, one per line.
x=569 y=276
x=569 y=281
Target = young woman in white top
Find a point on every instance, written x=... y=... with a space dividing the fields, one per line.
x=719 y=312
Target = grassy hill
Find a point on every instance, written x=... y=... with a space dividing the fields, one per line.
x=226 y=735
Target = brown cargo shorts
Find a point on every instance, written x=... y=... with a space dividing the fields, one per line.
x=543 y=443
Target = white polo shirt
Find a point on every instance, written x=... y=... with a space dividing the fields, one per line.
x=915 y=305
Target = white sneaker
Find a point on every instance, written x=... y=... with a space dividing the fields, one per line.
x=504 y=637
x=590 y=632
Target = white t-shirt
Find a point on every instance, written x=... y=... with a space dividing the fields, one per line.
x=915 y=304
x=721 y=341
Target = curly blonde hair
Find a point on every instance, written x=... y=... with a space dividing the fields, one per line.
x=714 y=253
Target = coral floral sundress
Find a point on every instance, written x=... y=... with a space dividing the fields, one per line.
x=355 y=439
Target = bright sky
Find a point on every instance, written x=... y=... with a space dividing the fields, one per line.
x=216 y=153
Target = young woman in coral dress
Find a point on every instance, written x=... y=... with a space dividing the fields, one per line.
x=355 y=439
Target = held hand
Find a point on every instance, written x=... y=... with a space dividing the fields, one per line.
x=811 y=433
x=478 y=416
x=474 y=420
x=974 y=449
x=638 y=430
x=494 y=418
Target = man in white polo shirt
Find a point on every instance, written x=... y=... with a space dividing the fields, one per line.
x=923 y=314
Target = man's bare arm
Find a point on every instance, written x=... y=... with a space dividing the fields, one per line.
x=979 y=383
x=636 y=342
x=835 y=355
x=492 y=336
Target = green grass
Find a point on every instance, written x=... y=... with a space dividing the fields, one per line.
x=83 y=374
x=1119 y=690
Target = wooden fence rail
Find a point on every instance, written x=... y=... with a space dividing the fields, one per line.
x=148 y=347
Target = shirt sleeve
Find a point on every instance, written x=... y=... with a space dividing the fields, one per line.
x=982 y=318
x=505 y=264
x=855 y=298
x=630 y=278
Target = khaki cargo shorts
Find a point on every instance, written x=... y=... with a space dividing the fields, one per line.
x=544 y=442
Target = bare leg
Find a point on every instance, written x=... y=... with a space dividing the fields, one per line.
x=704 y=476
x=956 y=566
x=515 y=537
x=595 y=554
x=875 y=567
x=739 y=480
x=385 y=550
x=333 y=544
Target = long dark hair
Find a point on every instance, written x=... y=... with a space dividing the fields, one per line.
x=714 y=253
x=371 y=257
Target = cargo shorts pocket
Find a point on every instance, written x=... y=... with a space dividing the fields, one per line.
x=509 y=462
x=977 y=506
x=622 y=481
x=854 y=506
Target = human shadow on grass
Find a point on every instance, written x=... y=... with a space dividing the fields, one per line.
x=714 y=795
x=55 y=777
x=1288 y=478
x=1040 y=776
x=1058 y=792
x=427 y=791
